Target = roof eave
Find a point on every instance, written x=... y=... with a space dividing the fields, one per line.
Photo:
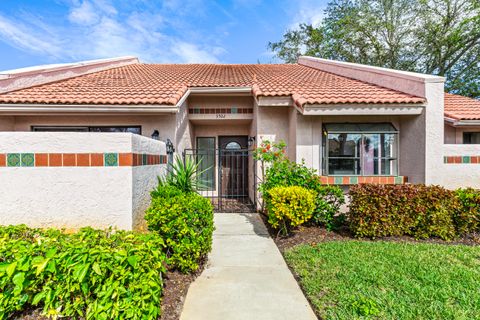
x=14 y=109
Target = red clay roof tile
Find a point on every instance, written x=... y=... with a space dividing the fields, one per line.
x=166 y=83
x=461 y=108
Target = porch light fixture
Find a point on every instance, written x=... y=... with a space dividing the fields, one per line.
x=169 y=146
x=155 y=135
x=251 y=140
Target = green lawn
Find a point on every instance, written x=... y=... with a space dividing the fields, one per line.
x=391 y=280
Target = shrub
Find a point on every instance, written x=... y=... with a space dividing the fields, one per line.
x=290 y=207
x=287 y=173
x=91 y=274
x=185 y=222
x=183 y=174
x=393 y=210
x=467 y=218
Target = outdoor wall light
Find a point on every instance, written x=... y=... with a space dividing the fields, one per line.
x=156 y=135
x=251 y=140
x=169 y=146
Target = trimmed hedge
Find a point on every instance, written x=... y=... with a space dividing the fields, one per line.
x=185 y=222
x=416 y=210
x=290 y=207
x=90 y=274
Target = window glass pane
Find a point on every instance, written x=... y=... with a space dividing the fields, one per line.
x=344 y=166
x=233 y=146
x=359 y=127
x=60 y=129
x=471 y=137
x=206 y=160
x=136 y=129
x=344 y=145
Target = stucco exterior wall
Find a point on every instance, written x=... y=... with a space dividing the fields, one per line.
x=7 y=123
x=412 y=148
x=76 y=196
x=450 y=134
x=457 y=175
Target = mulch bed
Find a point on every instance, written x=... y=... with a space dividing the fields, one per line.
x=176 y=286
x=312 y=235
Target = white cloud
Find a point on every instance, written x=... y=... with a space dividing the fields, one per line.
x=308 y=11
x=84 y=14
x=191 y=53
x=26 y=38
x=98 y=30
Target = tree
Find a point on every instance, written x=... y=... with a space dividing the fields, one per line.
x=430 y=36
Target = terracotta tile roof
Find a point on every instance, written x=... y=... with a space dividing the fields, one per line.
x=166 y=83
x=461 y=108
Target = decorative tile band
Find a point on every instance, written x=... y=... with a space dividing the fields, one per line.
x=349 y=180
x=220 y=110
x=461 y=159
x=111 y=159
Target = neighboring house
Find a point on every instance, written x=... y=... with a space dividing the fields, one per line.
x=351 y=122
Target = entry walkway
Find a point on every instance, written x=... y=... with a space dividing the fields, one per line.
x=245 y=277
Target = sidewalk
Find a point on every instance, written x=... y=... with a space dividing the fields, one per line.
x=245 y=277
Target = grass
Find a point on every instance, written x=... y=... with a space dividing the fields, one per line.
x=389 y=280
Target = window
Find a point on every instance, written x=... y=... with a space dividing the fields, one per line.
x=471 y=137
x=361 y=149
x=132 y=129
x=233 y=146
x=206 y=160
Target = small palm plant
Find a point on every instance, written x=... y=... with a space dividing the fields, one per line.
x=184 y=174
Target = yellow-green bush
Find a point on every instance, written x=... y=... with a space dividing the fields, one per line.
x=289 y=207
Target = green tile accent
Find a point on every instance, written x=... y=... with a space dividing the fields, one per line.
x=196 y=110
x=234 y=110
x=445 y=159
x=144 y=159
x=398 y=180
x=13 y=159
x=338 y=180
x=465 y=159
x=110 y=159
x=353 y=180
x=28 y=159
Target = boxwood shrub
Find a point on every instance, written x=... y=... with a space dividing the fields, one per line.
x=289 y=207
x=417 y=210
x=185 y=221
x=90 y=274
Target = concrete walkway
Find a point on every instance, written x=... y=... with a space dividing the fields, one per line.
x=246 y=277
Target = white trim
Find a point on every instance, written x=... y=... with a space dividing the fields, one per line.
x=362 y=109
x=420 y=77
x=87 y=108
x=275 y=101
x=462 y=123
x=212 y=90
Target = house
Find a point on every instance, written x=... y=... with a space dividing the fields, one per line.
x=353 y=123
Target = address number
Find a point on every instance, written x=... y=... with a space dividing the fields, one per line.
x=220 y=116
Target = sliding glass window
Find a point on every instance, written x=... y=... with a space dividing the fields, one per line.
x=206 y=160
x=361 y=149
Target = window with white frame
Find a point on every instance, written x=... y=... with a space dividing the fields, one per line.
x=360 y=149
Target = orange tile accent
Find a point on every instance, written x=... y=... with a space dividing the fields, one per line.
x=474 y=159
x=83 y=159
x=450 y=160
x=55 y=159
x=331 y=180
x=346 y=180
x=458 y=159
x=3 y=160
x=69 y=160
x=41 y=159
x=96 y=159
x=125 y=159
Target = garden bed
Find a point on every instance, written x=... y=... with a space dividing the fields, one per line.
x=175 y=290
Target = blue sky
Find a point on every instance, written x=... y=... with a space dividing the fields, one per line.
x=34 y=32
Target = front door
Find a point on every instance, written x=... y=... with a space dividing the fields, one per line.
x=234 y=166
